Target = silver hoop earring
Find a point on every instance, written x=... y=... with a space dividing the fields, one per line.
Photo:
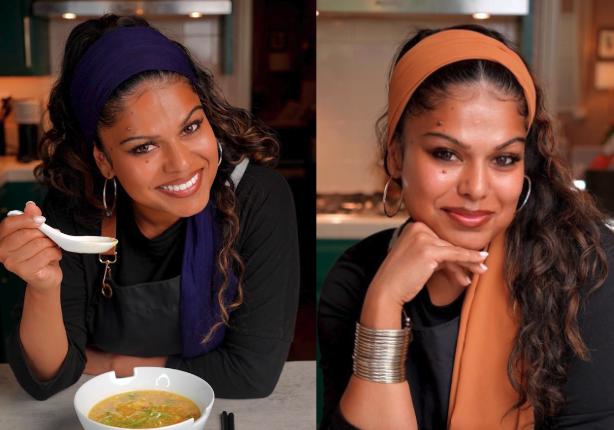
x=384 y=199
x=220 y=160
x=104 y=197
x=527 y=196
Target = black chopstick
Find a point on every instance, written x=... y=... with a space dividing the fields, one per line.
x=231 y=421
x=224 y=421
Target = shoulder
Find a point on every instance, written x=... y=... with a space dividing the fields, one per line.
x=265 y=207
x=597 y=305
x=371 y=249
x=587 y=381
x=348 y=280
x=261 y=183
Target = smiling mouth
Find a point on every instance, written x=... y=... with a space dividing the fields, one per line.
x=184 y=186
x=468 y=219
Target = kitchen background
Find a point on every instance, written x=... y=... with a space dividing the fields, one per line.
x=569 y=43
x=262 y=55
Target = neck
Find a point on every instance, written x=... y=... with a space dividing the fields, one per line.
x=152 y=223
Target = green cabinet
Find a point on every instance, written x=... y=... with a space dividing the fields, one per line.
x=13 y=195
x=327 y=253
x=24 y=40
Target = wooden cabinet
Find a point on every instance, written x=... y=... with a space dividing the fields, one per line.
x=13 y=195
x=24 y=40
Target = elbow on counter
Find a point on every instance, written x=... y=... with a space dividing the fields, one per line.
x=251 y=391
x=71 y=370
x=253 y=381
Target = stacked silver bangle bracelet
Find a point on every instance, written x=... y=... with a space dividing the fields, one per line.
x=380 y=355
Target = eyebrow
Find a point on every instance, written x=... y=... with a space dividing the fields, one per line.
x=187 y=118
x=465 y=146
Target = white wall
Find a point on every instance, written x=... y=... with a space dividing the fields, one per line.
x=353 y=60
x=201 y=36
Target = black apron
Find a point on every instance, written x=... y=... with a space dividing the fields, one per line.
x=429 y=366
x=139 y=320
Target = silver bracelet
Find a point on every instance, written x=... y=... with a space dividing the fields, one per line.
x=380 y=355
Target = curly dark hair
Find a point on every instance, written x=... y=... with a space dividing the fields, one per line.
x=554 y=256
x=68 y=168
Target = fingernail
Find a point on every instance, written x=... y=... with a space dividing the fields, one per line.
x=468 y=280
x=483 y=266
x=39 y=219
x=484 y=254
x=28 y=202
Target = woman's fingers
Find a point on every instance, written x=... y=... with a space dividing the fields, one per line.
x=12 y=224
x=33 y=247
x=39 y=264
x=20 y=238
x=457 y=254
x=458 y=272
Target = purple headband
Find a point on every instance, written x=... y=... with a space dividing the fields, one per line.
x=111 y=60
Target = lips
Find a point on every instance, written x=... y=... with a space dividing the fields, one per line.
x=180 y=180
x=183 y=189
x=467 y=212
x=468 y=218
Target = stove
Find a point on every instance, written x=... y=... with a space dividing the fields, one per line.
x=353 y=204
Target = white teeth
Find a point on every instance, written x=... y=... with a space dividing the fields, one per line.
x=181 y=186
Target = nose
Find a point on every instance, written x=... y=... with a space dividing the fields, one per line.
x=177 y=157
x=473 y=181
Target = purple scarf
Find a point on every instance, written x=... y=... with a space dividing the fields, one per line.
x=111 y=60
x=200 y=284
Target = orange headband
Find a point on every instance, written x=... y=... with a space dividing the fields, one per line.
x=444 y=48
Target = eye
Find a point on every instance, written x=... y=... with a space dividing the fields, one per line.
x=443 y=154
x=507 y=160
x=138 y=149
x=193 y=123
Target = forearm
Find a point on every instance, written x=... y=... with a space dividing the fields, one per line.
x=42 y=333
x=244 y=367
x=372 y=405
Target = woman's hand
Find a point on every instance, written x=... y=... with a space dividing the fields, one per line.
x=28 y=252
x=99 y=362
x=417 y=254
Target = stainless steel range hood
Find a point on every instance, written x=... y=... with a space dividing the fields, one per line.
x=84 y=8
x=448 y=7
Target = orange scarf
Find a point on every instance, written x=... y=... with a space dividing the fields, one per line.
x=481 y=393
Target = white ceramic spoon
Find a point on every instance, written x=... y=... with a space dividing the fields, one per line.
x=79 y=244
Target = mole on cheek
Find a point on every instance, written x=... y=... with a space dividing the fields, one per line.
x=443 y=171
x=439 y=122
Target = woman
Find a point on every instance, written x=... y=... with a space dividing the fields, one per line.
x=205 y=273
x=513 y=329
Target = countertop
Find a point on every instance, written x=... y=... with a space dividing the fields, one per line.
x=331 y=226
x=291 y=406
x=12 y=170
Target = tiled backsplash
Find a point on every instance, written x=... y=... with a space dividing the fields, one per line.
x=353 y=61
x=201 y=36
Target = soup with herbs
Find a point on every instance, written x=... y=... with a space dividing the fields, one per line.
x=144 y=410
